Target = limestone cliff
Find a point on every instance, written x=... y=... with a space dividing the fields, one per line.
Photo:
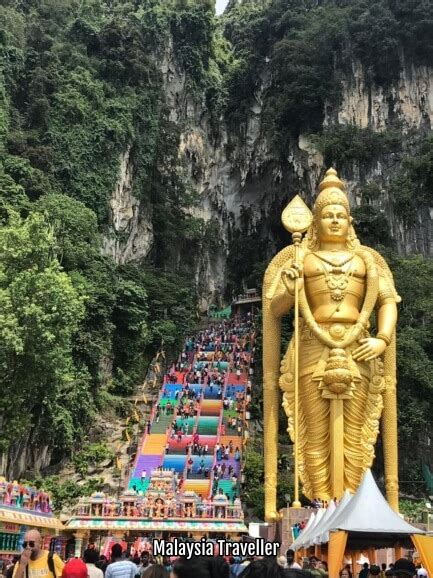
x=130 y=234
x=236 y=176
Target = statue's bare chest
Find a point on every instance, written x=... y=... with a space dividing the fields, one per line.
x=334 y=277
x=324 y=263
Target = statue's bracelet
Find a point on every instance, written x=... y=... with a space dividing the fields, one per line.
x=384 y=338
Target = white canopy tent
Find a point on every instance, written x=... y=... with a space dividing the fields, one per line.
x=308 y=525
x=323 y=537
x=363 y=522
x=369 y=519
x=323 y=523
x=303 y=539
x=315 y=528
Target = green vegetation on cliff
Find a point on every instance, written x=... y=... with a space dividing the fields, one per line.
x=79 y=87
x=307 y=47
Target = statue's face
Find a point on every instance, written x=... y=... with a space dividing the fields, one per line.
x=333 y=225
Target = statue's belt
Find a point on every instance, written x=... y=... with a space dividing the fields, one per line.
x=338 y=331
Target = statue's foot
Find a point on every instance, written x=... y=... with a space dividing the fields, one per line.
x=272 y=517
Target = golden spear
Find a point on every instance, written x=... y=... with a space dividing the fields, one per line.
x=296 y=219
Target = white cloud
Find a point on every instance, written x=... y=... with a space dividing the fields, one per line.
x=220 y=5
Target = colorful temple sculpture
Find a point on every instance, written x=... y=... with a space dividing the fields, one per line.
x=23 y=507
x=188 y=467
x=161 y=501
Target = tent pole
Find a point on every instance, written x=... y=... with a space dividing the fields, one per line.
x=424 y=546
x=398 y=551
x=354 y=557
x=336 y=548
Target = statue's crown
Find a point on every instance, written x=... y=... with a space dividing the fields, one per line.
x=332 y=192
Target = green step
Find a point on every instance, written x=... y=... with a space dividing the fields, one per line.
x=191 y=423
x=229 y=413
x=165 y=400
x=139 y=484
x=226 y=487
x=208 y=425
x=163 y=424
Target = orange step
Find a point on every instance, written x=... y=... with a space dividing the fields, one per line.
x=237 y=441
x=200 y=487
x=211 y=407
x=154 y=444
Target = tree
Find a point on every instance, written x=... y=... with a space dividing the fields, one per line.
x=40 y=314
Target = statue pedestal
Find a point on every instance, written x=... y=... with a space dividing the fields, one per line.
x=289 y=517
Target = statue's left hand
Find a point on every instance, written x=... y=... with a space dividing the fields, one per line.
x=369 y=349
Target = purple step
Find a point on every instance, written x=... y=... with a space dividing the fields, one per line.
x=233 y=462
x=147 y=463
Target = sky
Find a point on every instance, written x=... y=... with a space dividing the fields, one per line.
x=220 y=5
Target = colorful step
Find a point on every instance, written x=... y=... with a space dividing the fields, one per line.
x=154 y=443
x=211 y=407
x=210 y=440
x=236 y=440
x=178 y=447
x=181 y=423
x=207 y=425
x=162 y=425
x=174 y=462
x=200 y=487
x=207 y=461
x=165 y=400
x=232 y=390
x=138 y=484
x=196 y=387
x=211 y=392
x=146 y=463
x=180 y=376
x=233 y=379
x=170 y=389
x=230 y=462
x=227 y=487
x=160 y=449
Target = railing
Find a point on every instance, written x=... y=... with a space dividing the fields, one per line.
x=150 y=418
x=218 y=436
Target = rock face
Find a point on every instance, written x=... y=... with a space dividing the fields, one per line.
x=409 y=101
x=130 y=235
x=235 y=173
x=20 y=455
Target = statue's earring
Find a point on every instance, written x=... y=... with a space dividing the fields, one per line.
x=312 y=238
x=352 y=239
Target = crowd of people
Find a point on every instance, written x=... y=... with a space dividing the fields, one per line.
x=35 y=562
x=206 y=361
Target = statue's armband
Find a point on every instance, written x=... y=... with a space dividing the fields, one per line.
x=387 y=293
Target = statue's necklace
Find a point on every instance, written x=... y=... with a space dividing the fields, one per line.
x=366 y=311
x=337 y=279
x=334 y=262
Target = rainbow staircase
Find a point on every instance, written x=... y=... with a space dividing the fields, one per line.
x=161 y=447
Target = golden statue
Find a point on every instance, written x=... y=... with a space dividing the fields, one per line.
x=342 y=378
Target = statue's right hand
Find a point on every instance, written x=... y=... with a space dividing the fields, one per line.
x=289 y=276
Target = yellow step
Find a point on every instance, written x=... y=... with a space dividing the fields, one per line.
x=200 y=487
x=154 y=444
